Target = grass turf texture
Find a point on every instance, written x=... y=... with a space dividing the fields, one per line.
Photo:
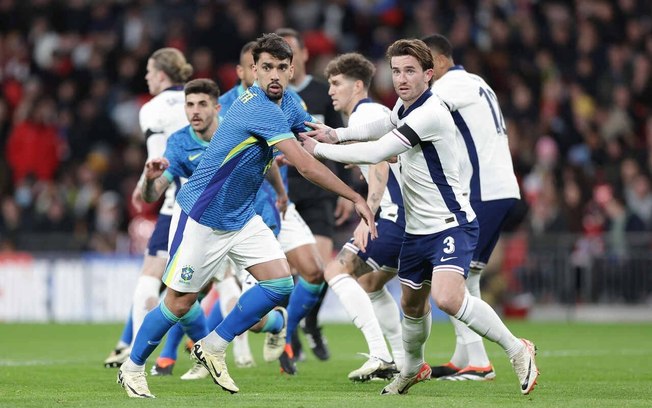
x=582 y=365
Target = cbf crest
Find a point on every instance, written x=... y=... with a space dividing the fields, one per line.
x=186 y=273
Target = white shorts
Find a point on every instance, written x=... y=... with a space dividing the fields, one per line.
x=294 y=231
x=246 y=280
x=197 y=251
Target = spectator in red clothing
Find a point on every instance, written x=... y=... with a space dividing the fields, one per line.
x=34 y=147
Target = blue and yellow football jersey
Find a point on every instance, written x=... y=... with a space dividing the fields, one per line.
x=184 y=151
x=221 y=191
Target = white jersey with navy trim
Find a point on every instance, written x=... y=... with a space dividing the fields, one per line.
x=391 y=203
x=479 y=121
x=430 y=171
x=160 y=117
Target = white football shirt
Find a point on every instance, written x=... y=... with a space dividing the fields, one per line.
x=432 y=191
x=365 y=112
x=487 y=160
x=161 y=116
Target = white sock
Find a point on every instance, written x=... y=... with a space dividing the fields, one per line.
x=121 y=344
x=132 y=367
x=473 y=342
x=146 y=292
x=459 y=359
x=359 y=308
x=228 y=290
x=390 y=322
x=482 y=319
x=241 y=345
x=415 y=334
x=213 y=343
x=473 y=282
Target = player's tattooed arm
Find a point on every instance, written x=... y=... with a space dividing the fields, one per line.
x=154 y=183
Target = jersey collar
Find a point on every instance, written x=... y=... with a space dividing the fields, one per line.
x=174 y=88
x=198 y=139
x=456 y=68
x=420 y=100
x=360 y=102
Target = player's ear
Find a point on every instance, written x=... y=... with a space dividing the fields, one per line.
x=239 y=71
x=291 y=71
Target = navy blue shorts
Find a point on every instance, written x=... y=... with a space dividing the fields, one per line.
x=422 y=255
x=491 y=216
x=158 y=242
x=382 y=253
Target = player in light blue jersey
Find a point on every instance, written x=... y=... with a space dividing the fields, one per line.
x=296 y=238
x=215 y=218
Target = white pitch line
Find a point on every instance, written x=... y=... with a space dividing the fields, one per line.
x=27 y=363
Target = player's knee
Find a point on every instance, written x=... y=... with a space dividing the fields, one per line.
x=448 y=302
x=313 y=274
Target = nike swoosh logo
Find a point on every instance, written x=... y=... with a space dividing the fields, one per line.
x=447 y=259
x=153 y=343
x=194 y=156
x=527 y=377
x=217 y=373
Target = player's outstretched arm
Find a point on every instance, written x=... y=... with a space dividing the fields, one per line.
x=368 y=131
x=386 y=147
x=274 y=177
x=318 y=173
x=154 y=182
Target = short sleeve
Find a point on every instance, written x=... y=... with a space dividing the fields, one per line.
x=172 y=151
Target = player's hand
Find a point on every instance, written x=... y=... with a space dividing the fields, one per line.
x=155 y=168
x=308 y=143
x=322 y=133
x=363 y=210
x=361 y=236
x=282 y=204
x=343 y=210
x=281 y=160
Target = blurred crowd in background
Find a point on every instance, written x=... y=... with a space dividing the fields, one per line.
x=574 y=80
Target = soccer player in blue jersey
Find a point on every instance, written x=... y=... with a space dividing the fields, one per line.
x=296 y=238
x=441 y=228
x=215 y=218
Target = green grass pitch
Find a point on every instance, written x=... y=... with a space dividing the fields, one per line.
x=582 y=365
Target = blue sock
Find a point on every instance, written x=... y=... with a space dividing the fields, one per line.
x=253 y=305
x=128 y=330
x=156 y=323
x=303 y=298
x=215 y=316
x=171 y=346
x=194 y=323
x=274 y=322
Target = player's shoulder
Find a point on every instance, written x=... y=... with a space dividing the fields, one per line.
x=367 y=112
x=180 y=136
